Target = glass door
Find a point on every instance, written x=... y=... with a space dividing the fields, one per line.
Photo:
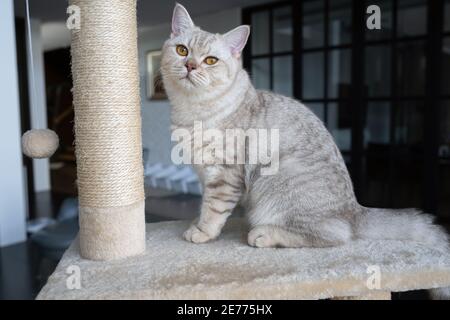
x=395 y=65
x=383 y=94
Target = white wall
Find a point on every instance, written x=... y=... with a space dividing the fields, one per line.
x=38 y=102
x=12 y=186
x=156 y=114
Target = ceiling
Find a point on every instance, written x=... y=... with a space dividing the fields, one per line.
x=150 y=12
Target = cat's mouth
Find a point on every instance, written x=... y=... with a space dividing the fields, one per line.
x=188 y=78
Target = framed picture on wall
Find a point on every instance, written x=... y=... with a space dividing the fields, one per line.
x=155 y=86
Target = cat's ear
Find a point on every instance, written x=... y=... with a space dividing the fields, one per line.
x=237 y=38
x=181 y=20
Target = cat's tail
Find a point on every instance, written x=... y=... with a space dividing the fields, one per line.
x=401 y=224
x=404 y=224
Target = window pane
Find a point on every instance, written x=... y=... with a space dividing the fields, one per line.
x=261 y=73
x=348 y=161
x=409 y=131
x=378 y=70
x=282 y=75
x=386 y=20
x=339 y=73
x=282 y=29
x=445 y=129
x=412 y=18
x=411 y=68
x=313 y=82
x=444 y=160
x=313 y=23
x=444 y=197
x=340 y=24
x=407 y=186
x=376 y=189
x=377 y=129
x=447 y=16
x=318 y=109
x=446 y=66
x=339 y=123
x=260 y=32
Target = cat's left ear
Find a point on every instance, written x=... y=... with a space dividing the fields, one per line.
x=236 y=39
x=181 y=21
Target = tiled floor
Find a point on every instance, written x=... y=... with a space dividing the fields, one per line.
x=24 y=270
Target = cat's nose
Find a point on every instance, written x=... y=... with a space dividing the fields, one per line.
x=190 y=66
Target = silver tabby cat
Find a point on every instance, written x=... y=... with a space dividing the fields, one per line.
x=310 y=201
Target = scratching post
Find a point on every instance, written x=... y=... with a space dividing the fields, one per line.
x=108 y=130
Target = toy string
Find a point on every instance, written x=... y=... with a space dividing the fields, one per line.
x=34 y=100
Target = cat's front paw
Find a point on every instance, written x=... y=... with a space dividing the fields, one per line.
x=195 y=235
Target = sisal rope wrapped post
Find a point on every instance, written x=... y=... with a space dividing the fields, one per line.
x=108 y=130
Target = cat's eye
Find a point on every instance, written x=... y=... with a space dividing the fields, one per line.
x=182 y=50
x=211 y=60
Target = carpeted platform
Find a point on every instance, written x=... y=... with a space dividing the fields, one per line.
x=228 y=268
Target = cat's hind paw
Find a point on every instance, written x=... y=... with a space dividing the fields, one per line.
x=261 y=237
x=195 y=235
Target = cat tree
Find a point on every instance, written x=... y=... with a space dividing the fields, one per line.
x=112 y=226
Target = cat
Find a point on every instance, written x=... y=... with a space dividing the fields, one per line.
x=310 y=201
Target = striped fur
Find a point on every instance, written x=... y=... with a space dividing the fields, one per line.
x=310 y=201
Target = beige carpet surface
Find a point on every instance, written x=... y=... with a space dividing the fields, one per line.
x=228 y=268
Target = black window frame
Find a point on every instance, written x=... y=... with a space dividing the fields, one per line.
x=433 y=96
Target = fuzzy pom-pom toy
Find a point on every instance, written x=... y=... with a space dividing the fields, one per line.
x=39 y=143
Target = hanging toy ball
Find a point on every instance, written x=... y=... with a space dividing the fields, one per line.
x=39 y=143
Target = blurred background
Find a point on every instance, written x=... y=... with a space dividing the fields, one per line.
x=383 y=94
